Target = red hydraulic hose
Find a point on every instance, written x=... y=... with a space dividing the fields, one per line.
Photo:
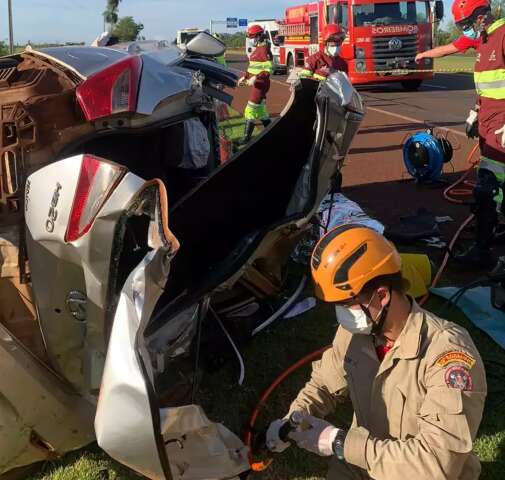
x=448 y=193
x=451 y=191
x=260 y=466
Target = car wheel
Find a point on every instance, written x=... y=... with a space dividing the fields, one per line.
x=411 y=85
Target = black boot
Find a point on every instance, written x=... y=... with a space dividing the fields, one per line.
x=480 y=255
x=266 y=122
x=248 y=132
x=477 y=257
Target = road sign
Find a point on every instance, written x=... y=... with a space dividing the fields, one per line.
x=231 y=22
x=242 y=22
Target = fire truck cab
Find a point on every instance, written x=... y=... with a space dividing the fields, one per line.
x=383 y=37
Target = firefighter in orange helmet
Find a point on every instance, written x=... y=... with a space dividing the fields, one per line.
x=258 y=78
x=321 y=64
x=417 y=382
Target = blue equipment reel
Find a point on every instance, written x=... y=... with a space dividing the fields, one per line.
x=424 y=156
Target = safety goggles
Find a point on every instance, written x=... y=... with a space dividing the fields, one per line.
x=354 y=302
x=465 y=24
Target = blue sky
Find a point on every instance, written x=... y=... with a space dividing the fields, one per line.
x=81 y=20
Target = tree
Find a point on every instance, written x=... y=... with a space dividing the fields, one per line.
x=4 y=50
x=110 y=14
x=235 y=40
x=442 y=37
x=127 y=30
x=498 y=8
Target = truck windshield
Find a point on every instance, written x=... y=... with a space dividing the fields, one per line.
x=401 y=13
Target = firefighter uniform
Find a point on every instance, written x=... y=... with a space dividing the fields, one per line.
x=320 y=65
x=416 y=413
x=260 y=68
x=489 y=80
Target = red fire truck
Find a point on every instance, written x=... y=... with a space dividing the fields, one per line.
x=383 y=37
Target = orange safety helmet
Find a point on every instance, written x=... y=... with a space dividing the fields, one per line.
x=333 y=32
x=463 y=9
x=255 y=30
x=347 y=258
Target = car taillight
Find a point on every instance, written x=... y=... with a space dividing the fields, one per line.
x=113 y=90
x=97 y=180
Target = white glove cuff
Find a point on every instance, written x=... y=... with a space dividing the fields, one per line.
x=326 y=440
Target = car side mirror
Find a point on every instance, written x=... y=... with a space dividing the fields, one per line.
x=439 y=10
x=205 y=45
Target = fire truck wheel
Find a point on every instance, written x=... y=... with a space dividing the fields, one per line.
x=411 y=85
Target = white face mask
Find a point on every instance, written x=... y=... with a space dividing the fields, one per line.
x=332 y=51
x=354 y=320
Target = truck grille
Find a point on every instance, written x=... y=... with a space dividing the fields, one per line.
x=387 y=57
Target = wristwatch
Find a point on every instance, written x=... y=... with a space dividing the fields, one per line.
x=338 y=443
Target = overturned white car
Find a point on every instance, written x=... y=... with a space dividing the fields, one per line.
x=113 y=255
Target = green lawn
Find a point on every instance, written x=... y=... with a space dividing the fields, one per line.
x=270 y=354
x=456 y=62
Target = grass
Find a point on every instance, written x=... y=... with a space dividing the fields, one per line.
x=272 y=352
x=233 y=126
x=456 y=62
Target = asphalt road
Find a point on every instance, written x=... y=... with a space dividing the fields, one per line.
x=443 y=101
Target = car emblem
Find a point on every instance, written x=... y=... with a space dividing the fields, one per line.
x=395 y=44
x=76 y=303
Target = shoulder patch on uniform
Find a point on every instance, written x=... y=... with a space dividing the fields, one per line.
x=455 y=357
x=459 y=377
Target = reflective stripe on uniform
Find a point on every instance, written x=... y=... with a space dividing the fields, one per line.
x=490 y=83
x=306 y=73
x=495 y=25
x=319 y=77
x=255 y=111
x=221 y=60
x=255 y=68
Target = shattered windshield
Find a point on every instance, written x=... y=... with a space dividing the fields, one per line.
x=401 y=13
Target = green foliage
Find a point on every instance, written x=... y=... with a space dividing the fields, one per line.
x=4 y=49
x=498 y=8
x=111 y=14
x=446 y=35
x=127 y=30
x=236 y=40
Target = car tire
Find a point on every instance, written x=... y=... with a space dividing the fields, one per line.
x=411 y=85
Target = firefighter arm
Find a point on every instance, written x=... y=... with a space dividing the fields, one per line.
x=244 y=79
x=437 y=52
x=448 y=421
x=326 y=388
